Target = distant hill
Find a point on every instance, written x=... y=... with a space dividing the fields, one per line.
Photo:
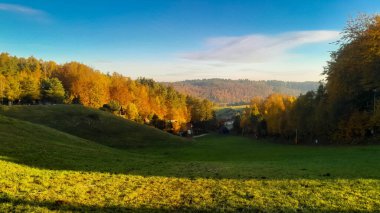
x=234 y=91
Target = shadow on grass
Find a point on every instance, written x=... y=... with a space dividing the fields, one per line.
x=60 y=205
x=170 y=163
x=213 y=156
x=191 y=169
x=193 y=163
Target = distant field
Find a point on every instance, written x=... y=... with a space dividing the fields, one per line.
x=44 y=169
x=228 y=112
x=238 y=107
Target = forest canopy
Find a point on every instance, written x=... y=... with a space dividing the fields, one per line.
x=346 y=107
x=29 y=81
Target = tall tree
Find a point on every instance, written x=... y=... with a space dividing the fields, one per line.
x=52 y=90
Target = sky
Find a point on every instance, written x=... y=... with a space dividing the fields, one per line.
x=173 y=40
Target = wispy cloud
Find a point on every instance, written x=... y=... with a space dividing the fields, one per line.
x=258 y=48
x=15 y=8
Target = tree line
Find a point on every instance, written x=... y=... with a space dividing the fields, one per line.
x=31 y=81
x=265 y=117
x=344 y=109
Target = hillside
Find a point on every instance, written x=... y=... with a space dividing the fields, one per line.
x=39 y=146
x=47 y=170
x=234 y=91
x=91 y=124
x=74 y=158
x=44 y=169
x=31 y=80
x=43 y=147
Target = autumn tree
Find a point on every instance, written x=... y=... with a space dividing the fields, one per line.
x=12 y=90
x=48 y=68
x=131 y=111
x=353 y=78
x=84 y=85
x=30 y=88
x=121 y=89
x=2 y=87
x=27 y=80
x=274 y=112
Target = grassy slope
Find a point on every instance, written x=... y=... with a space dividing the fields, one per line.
x=43 y=147
x=214 y=173
x=92 y=124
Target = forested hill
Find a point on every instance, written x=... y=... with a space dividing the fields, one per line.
x=233 y=91
x=26 y=81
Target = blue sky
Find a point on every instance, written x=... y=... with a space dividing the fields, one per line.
x=182 y=39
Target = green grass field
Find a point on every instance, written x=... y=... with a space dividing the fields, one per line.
x=228 y=112
x=95 y=125
x=50 y=166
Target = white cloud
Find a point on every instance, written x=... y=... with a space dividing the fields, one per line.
x=20 y=9
x=255 y=57
x=258 y=48
x=176 y=70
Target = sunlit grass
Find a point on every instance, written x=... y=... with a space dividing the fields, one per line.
x=24 y=188
x=42 y=169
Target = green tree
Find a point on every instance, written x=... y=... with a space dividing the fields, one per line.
x=30 y=89
x=52 y=90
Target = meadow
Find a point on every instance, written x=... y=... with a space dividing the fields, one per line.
x=46 y=167
x=228 y=112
